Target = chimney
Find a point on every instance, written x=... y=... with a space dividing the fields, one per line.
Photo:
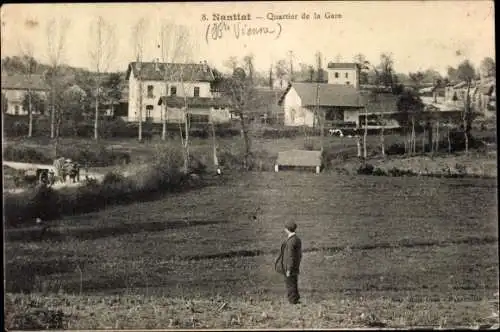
x=205 y=66
x=157 y=68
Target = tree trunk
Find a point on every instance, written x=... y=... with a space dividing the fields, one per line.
x=164 y=126
x=466 y=136
x=30 y=110
x=56 y=148
x=53 y=109
x=365 y=153
x=382 y=143
x=437 y=136
x=186 y=142
x=405 y=140
x=216 y=161
x=246 y=138
x=449 y=140
x=96 y=121
x=413 y=143
x=429 y=135
x=140 y=111
x=466 y=116
x=423 y=141
x=322 y=128
x=358 y=144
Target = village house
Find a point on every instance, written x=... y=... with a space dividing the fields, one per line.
x=15 y=88
x=338 y=102
x=166 y=87
x=344 y=74
x=482 y=95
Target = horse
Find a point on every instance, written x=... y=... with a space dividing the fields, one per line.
x=74 y=172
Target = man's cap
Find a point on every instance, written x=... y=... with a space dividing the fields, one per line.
x=291 y=226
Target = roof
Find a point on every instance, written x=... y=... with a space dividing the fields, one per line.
x=304 y=158
x=22 y=82
x=342 y=65
x=189 y=72
x=329 y=94
x=176 y=101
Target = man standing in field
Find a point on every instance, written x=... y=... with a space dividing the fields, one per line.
x=288 y=262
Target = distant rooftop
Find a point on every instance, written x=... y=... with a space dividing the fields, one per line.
x=342 y=65
x=328 y=94
x=22 y=82
x=158 y=71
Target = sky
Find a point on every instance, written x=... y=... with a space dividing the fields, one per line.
x=419 y=34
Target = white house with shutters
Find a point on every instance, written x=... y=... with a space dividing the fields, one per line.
x=162 y=92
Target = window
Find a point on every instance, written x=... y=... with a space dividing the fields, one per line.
x=16 y=109
x=346 y=75
x=336 y=75
x=199 y=118
x=149 y=110
x=196 y=91
x=173 y=91
x=150 y=91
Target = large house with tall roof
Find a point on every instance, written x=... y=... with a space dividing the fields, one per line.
x=15 y=88
x=167 y=87
x=301 y=101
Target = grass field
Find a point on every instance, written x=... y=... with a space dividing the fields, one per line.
x=408 y=250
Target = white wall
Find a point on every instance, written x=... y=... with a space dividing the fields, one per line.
x=351 y=116
x=15 y=100
x=295 y=114
x=159 y=88
x=352 y=76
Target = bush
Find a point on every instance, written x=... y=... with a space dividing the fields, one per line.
x=399 y=172
x=379 y=172
x=395 y=149
x=365 y=169
x=280 y=133
x=25 y=154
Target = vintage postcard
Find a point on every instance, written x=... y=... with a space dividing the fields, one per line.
x=250 y=165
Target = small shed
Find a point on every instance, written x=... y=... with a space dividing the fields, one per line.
x=299 y=158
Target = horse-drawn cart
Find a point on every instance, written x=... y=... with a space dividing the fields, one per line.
x=33 y=177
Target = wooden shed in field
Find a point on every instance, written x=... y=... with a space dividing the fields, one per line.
x=299 y=159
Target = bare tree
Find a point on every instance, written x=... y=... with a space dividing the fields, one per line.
x=467 y=73
x=281 y=70
x=138 y=39
x=176 y=48
x=30 y=65
x=56 y=38
x=102 y=52
x=363 y=64
x=386 y=69
x=240 y=90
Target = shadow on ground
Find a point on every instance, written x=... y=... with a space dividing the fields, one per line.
x=90 y=233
